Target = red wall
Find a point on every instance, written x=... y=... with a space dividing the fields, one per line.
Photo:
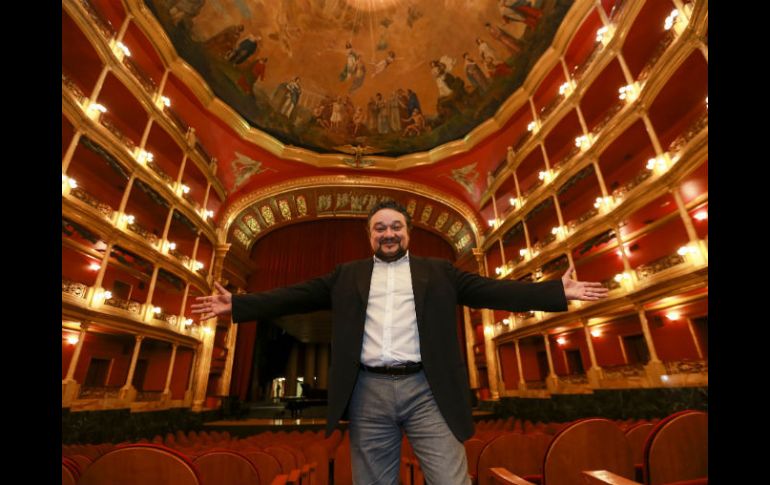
x=672 y=339
x=607 y=346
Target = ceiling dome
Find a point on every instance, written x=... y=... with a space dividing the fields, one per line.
x=391 y=77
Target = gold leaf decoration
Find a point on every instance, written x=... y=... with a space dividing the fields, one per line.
x=267 y=215
x=302 y=205
x=283 y=204
x=411 y=206
x=455 y=229
x=426 y=212
x=442 y=218
x=324 y=202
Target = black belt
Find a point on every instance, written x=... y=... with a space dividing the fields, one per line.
x=400 y=370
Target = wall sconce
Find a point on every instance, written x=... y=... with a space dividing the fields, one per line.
x=493 y=223
x=95 y=110
x=546 y=176
x=207 y=330
x=184 y=189
x=676 y=21
x=629 y=93
x=120 y=50
x=604 y=34
x=171 y=246
x=188 y=322
x=604 y=204
x=515 y=202
x=657 y=165
x=156 y=310
x=560 y=232
x=506 y=321
x=566 y=88
x=209 y=214
x=525 y=253
x=561 y=340
x=596 y=333
x=673 y=316
x=584 y=142
x=143 y=156
x=162 y=102
x=94 y=267
x=533 y=126
x=197 y=265
x=701 y=215
x=73 y=339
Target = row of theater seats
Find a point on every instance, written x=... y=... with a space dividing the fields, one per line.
x=594 y=451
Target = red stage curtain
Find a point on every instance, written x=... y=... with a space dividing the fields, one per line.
x=295 y=253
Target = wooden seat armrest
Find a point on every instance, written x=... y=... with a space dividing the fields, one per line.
x=603 y=477
x=294 y=477
x=503 y=476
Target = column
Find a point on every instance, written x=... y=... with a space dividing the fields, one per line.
x=188 y=393
x=522 y=382
x=694 y=338
x=322 y=365
x=167 y=388
x=489 y=332
x=654 y=368
x=227 y=373
x=127 y=392
x=689 y=227
x=207 y=332
x=594 y=374
x=309 y=373
x=290 y=387
x=470 y=340
x=70 y=387
x=552 y=381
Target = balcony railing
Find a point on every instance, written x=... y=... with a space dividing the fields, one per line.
x=687 y=367
x=185 y=260
x=546 y=110
x=128 y=305
x=692 y=130
x=574 y=379
x=538 y=183
x=73 y=288
x=535 y=385
x=614 y=109
x=521 y=141
x=566 y=158
x=177 y=120
x=659 y=50
x=74 y=89
x=104 y=26
x=99 y=392
x=581 y=69
x=126 y=141
x=624 y=371
x=611 y=284
x=89 y=199
x=149 y=396
x=189 y=198
x=549 y=238
x=166 y=318
x=523 y=316
x=203 y=153
x=160 y=173
x=619 y=193
x=586 y=216
x=144 y=233
x=144 y=79
x=646 y=270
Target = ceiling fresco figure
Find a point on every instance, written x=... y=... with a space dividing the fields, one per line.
x=363 y=65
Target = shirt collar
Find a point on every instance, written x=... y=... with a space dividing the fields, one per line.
x=403 y=258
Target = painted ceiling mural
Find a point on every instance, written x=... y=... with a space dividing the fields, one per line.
x=389 y=77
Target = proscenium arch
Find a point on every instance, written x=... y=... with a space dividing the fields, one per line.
x=283 y=201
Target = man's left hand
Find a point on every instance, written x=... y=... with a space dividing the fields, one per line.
x=582 y=290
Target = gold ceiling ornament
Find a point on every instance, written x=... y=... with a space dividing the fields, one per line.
x=326 y=201
x=147 y=22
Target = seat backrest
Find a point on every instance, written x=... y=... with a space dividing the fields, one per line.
x=587 y=444
x=267 y=465
x=343 y=469
x=637 y=436
x=141 y=464
x=226 y=466
x=677 y=449
x=82 y=461
x=519 y=453
x=70 y=471
x=473 y=449
x=285 y=457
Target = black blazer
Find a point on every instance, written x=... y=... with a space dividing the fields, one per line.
x=438 y=288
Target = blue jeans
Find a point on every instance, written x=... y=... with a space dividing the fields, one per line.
x=381 y=405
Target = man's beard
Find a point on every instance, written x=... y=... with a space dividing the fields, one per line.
x=388 y=258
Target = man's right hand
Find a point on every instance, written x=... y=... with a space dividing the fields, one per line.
x=221 y=303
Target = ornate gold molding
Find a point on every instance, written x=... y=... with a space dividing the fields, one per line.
x=181 y=69
x=346 y=181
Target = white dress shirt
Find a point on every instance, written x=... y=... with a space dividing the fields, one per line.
x=390 y=333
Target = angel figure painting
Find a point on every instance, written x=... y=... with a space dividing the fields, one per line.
x=398 y=76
